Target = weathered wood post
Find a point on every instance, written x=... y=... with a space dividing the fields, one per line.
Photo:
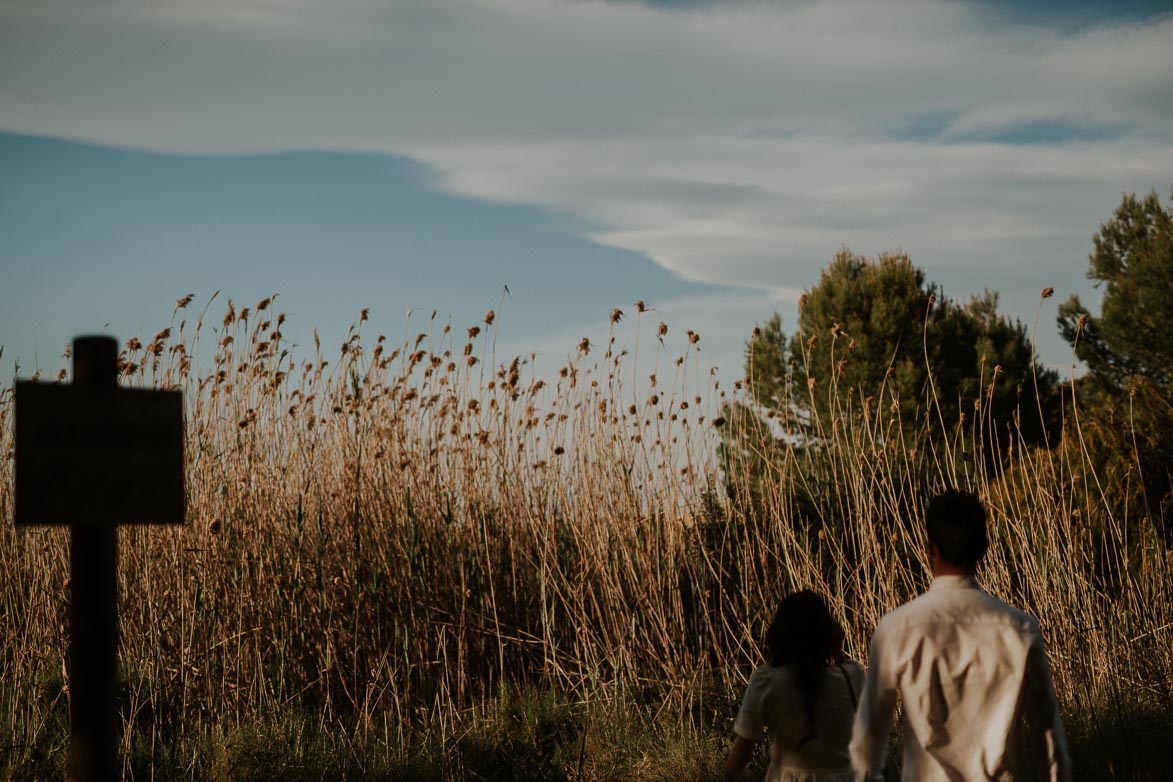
x=93 y=611
x=93 y=455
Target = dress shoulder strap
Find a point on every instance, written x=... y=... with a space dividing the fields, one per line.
x=850 y=686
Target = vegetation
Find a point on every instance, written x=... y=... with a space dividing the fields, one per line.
x=414 y=561
x=881 y=359
x=1126 y=421
x=871 y=333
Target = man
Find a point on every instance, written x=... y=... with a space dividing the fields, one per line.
x=970 y=670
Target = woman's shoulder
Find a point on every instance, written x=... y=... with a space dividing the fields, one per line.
x=853 y=670
x=761 y=683
x=769 y=678
x=763 y=674
x=767 y=672
x=852 y=665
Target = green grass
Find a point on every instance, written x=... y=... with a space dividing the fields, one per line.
x=541 y=736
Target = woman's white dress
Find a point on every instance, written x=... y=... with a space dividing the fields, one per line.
x=772 y=702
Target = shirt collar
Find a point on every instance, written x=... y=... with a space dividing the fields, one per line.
x=954 y=582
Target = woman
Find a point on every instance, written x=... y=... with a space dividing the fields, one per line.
x=806 y=695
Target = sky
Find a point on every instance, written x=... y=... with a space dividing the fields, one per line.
x=554 y=159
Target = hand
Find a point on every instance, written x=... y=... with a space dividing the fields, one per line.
x=739 y=755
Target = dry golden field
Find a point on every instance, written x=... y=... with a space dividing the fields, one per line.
x=389 y=536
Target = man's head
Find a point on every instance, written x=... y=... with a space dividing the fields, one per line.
x=956 y=524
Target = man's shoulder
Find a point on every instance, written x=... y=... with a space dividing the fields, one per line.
x=911 y=610
x=983 y=606
x=953 y=606
x=998 y=606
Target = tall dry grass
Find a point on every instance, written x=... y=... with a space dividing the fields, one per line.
x=387 y=534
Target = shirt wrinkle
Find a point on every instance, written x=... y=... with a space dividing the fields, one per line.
x=937 y=708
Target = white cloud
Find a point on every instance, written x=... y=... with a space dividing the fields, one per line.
x=739 y=145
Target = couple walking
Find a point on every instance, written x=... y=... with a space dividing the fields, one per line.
x=970 y=671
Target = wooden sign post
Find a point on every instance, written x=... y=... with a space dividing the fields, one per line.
x=93 y=455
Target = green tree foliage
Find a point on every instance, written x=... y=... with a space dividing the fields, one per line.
x=883 y=367
x=873 y=332
x=1126 y=397
x=859 y=332
x=1133 y=261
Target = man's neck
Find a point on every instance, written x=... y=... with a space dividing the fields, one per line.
x=945 y=569
x=939 y=567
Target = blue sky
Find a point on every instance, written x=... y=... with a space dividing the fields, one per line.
x=707 y=157
x=95 y=235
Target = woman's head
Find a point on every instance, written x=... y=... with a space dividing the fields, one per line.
x=803 y=632
x=804 y=637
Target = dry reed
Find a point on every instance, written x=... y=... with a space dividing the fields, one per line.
x=387 y=534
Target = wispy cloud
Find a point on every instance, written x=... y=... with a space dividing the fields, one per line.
x=733 y=143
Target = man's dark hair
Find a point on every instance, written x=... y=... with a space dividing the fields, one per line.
x=956 y=524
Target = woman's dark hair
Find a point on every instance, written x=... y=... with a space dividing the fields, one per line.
x=804 y=637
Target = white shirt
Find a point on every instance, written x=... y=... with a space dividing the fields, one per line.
x=772 y=700
x=972 y=674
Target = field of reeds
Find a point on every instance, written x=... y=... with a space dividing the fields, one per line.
x=411 y=558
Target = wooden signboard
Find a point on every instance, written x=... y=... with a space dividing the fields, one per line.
x=93 y=456
x=112 y=456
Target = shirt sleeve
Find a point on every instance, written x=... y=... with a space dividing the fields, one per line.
x=1040 y=712
x=751 y=717
x=873 y=718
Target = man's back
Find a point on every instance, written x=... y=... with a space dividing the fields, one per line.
x=977 y=693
